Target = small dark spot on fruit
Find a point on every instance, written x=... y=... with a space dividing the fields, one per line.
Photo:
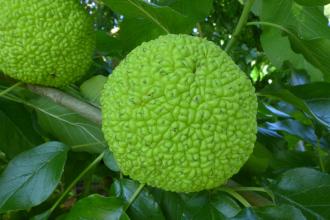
x=194 y=69
x=53 y=75
x=196 y=99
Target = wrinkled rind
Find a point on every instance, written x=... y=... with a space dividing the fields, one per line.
x=178 y=114
x=45 y=42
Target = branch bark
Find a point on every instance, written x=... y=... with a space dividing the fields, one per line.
x=84 y=109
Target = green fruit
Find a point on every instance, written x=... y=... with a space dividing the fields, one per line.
x=45 y=42
x=91 y=88
x=178 y=114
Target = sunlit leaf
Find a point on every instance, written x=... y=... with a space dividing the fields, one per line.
x=305 y=189
x=32 y=176
x=97 y=207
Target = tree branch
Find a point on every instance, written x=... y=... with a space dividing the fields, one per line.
x=241 y=23
x=84 y=109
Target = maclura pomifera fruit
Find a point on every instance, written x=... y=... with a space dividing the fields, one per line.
x=179 y=114
x=45 y=42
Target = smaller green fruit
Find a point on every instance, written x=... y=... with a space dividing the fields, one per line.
x=45 y=42
x=91 y=88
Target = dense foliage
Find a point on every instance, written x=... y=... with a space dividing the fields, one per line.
x=55 y=163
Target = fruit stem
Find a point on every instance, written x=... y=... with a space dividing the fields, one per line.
x=134 y=196
x=320 y=156
x=256 y=189
x=240 y=25
x=74 y=182
x=236 y=195
x=4 y=92
x=199 y=28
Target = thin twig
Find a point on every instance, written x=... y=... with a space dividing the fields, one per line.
x=253 y=198
x=199 y=28
x=75 y=181
x=256 y=189
x=241 y=23
x=134 y=196
x=236 y=195
x=4 y=92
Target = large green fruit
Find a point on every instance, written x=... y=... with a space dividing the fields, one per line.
x=45 y=42
x=178 y=114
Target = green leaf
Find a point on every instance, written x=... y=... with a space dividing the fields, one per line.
x=208 y=212
x=313 y=2
x=43 y=216
x=284 y=94
x=295 y=128
x=321 y=109
x=32 y=176
x=18 y=215
x=195 y=9
x=68 y=126
x=144 y=21
x=317 y=98
x=144 y=206
x=97 y=207
x=171 y=204
x=308 y=23
x=60 y=123
x=245 y=214
x=276 y=112
x=76 y=163
x=110 y=161
x=199 y=205
x=312 y=91
x=135 y=31
x=225 y=204
x=315 y=51
x=312 y=99
x=272 y=212
x=259 y=160
x=17 y=129
x=278 y=11
x=280 y=212
x=305 y=189
x=106 y=44
x=306 y=27
x=278 y=49
x=162 y=17
x=284 y=159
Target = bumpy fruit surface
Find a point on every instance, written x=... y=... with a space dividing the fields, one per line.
x=178 y=114
x=45 y=42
